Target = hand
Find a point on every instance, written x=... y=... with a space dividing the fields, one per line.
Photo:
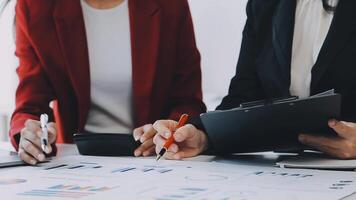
x=145 y=134
x=189 y=140
x=30 y=142
x=343 y=146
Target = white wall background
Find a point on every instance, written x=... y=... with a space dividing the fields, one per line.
x=8 y=63
x=218 y=27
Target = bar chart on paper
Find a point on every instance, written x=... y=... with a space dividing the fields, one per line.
x=66 y=191
x=90 y=168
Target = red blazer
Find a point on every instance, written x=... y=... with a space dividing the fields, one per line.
x=54 y=64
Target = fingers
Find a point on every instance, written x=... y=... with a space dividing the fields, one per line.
x=165 y=127
x=313 y=140
x=173 y=148
x=159 y=141
x=52 y=133
x=26 y=157
x=149 y=132
x=28 y=135
x=174 y=153
x=336 y=147
x=343 y=129
x=343 y=146
x=144 y=133
x=149 y=152
x=184 y=133
x=146 y=146
x=186 y=154
x=30 y=142
x=31 y=150
x=168 y=155
x=48 y=150
x=137 y=133
x=33 y=125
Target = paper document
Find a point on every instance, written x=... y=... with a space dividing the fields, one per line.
x=78 y=177
x=316 y=161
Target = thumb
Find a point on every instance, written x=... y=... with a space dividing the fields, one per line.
x=52 y=132
x=49 y=149
x=343 y=129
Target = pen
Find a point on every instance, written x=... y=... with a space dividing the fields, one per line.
x=183 y=119
x=44 y=136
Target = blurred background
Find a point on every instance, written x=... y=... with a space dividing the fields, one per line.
x=218 y=26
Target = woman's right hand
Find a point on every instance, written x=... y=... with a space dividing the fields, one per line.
x=189 y=141
x=30 y=141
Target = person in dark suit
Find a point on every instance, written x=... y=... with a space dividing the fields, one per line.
x=289 y=48
x=109 y=66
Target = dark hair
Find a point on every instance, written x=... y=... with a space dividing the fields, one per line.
x=328 y=7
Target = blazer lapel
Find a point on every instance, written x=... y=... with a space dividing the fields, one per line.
x=341 y=30
x=282 y=39
x=70 y=27
x=145 y=23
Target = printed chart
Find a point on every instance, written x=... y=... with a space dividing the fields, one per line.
x=66 y=191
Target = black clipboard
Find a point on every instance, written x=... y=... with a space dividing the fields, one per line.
x=271 y=125
x=105 y=144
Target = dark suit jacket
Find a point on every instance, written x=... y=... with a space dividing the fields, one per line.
x=263 y=69
x=54 y=65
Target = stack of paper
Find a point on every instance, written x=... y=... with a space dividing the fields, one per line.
x=316 y=161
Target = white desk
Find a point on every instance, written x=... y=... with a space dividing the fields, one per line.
x=253 y=160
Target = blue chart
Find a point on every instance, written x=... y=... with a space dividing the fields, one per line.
x=66 y=191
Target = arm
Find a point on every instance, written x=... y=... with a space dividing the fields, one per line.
x=191 y=140
x=34 y=91
x=186 y=96
x=245 y=85
x=186 y=89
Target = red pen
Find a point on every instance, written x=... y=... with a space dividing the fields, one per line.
x=183 y=119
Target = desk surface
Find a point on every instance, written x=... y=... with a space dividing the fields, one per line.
x=258 y=159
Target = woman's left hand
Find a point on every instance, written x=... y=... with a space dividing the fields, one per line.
x=343 y=146
x=145 y=135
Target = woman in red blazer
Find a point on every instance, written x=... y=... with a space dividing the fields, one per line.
x=59 y=48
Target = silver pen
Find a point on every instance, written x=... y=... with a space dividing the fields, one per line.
x=44 y=135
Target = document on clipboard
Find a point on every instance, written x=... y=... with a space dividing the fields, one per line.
x=271 y=125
